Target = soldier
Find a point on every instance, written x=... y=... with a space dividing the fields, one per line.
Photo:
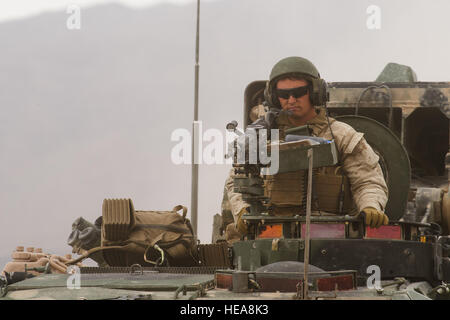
x=295 y=86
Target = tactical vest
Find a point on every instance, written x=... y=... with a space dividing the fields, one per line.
x=287 y=192
x=330 y=193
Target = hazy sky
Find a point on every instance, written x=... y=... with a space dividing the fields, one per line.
x=16 y=9
x=71 y=100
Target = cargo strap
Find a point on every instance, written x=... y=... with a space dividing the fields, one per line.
x=94 y=250
x=128 y=244
x=178 y=208
x=162 y=227
x=341 y=196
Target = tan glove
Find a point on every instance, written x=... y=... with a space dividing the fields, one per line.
x=240 y=224
x=232 y=234
x=375 y=218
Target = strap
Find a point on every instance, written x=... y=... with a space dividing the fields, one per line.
x=342 y=195
x=94 y=250
x=128 y=245
x=57 y=264
x=165 y=227
x=178 y=208
x=314 y=196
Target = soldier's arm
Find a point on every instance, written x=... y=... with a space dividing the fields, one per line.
x=235 y=199
x=367 y=183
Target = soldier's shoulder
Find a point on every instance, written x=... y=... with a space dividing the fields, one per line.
x=346 y=136
x=341 y=128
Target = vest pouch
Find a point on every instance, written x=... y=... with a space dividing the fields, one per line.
x=286 y=189
x=332 y=191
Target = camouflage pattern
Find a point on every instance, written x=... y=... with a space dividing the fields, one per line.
x=222 y=221
x=406 y=96
x=232 y=234
x=359 y=163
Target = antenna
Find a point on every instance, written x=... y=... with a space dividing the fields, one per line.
x=194 y=176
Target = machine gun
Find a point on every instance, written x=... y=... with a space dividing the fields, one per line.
x=246 y=152
x=295 y=149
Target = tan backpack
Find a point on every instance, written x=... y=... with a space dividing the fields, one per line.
x=146 y=237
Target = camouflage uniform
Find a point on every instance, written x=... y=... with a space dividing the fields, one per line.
x=359 y=163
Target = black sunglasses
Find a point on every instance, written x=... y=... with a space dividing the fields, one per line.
x=295 y=92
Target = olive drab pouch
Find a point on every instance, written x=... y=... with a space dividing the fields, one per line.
x=286 y=189
x=331 y=191
x=146 y=237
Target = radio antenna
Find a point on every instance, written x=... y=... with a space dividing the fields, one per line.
x=194 y=176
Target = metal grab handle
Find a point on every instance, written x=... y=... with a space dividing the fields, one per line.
x=136 y=266
x=391 y=110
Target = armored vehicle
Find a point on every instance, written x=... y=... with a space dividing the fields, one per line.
x=298 y=256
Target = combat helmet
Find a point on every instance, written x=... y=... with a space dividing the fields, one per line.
x=299 y=67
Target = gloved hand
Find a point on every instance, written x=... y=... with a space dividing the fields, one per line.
x=375 y=218
x=240 y=224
